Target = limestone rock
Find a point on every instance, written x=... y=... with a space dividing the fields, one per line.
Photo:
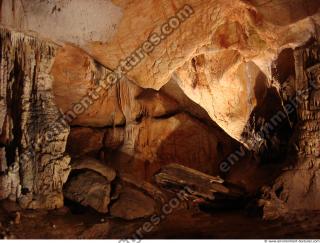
x=208 y=75
x=83 y=140
x=132 y=204
x=178 y=139
x=157 y=104
x=89 y=189
x=6 y=136
x=147 y=187
x=76 y=80
x=174 y=91
x=35 y=147
x=94 y=165
x=277 y=12
x=3 y=160
x=72 y=21
x=254 y=30
x=297 y=188
x=114 y=137
x=10 y=183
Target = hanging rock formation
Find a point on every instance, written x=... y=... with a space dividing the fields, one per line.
x=203 y=90
x=35 y=166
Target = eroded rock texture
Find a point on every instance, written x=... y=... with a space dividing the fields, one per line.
x=34 y=166
x=217 y=70
x=298 y=187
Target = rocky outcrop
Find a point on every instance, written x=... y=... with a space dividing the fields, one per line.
x=76 y=80
x=161 y=127
x=298 y=187
x=244 y=34
x=233 y=31
x=217 y=66
x=155 y=142
x=34 y=145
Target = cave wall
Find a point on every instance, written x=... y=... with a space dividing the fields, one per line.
x=298 y=187
x=216 y=67
x=241 y=32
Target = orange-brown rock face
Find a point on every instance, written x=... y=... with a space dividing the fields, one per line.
x=252 y=31
x=75 y=76
x=190 y=98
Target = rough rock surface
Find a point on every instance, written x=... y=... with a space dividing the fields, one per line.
x=38 y=166
x=226 y=25
x=221 y=57
x=248 y=28
x=114 y=137
x=97 y=231
x=178 y=139
x=132 y=204
x=76 y=76
x=84 y=140
x=298 y=187
x=89 y=189
x=94 y=165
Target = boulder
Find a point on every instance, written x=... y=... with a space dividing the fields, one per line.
x=132 y=204
x=95 y=165
x=89 y=189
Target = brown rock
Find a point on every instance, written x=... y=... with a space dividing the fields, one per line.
x=97 y=231
x=132 y=204
x=114 y=137
x=281 y=13
x=157 y=104
x=136 y=102
x=76 y=75
x=177 y=139
x=94 y=165
x=17 y=219
x=249 y=28
x=232 y=110
x=84 y=140
x=3 y=160
x=89 y=189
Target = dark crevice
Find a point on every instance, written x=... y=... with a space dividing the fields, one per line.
x=14 y=101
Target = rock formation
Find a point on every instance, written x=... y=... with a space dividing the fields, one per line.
x=298 y=188
x=219 y=83
x=34 y=163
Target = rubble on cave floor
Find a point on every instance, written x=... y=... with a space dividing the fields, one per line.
x=71 y=223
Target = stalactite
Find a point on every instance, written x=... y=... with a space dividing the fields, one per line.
x=37 y=168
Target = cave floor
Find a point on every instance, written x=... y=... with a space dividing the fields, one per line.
x=183 y=223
